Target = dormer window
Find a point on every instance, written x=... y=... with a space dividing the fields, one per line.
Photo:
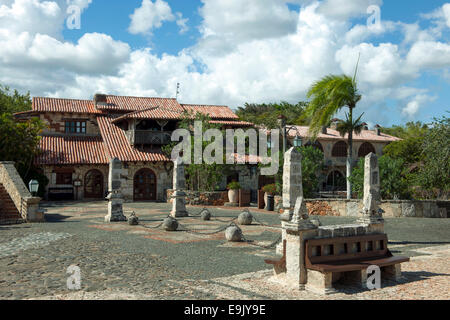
x=76 y=127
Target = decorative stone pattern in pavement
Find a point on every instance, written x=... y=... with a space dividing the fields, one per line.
x=33 y=241
x=119 y=261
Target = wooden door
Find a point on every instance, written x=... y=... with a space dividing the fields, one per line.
x=93 y=185
x=144 y=185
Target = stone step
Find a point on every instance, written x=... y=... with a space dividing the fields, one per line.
x=8 y=211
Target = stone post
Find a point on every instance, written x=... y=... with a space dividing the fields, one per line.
x=372 y=214
x=299 y=229
x=179 y=184
x=115 y=199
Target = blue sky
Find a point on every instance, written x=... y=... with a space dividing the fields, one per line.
x=232 y=51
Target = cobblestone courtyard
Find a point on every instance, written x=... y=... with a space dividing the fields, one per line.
x=119 y=261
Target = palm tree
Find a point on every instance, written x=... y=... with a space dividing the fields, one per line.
x=329 y=95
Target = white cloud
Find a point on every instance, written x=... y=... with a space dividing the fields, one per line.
x=446 y=10
x=429 y=55
x=249 y=51
x=241 y=21
x=344 y=9
x=151 y=15
x=419 y=101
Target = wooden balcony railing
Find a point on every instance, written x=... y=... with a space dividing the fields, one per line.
x=137 y=137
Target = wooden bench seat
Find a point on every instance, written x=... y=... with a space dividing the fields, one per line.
x=346 y=254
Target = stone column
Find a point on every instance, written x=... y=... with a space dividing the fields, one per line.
x=292 y=188
x=299 y=229
x=115 y=198
x=372 y=214
x=179 y=185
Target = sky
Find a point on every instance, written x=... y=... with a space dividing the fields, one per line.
x=232 y=52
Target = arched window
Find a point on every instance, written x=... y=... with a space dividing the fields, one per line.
x=316 y=145
x=365 y=149
x=339 y=149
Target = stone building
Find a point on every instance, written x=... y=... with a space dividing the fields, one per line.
x=83 y=135
x=334 y=147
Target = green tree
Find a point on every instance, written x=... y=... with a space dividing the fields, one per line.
x=19 y=141
x=312 y=163
x=329 y=95
x=393 y=183
x=409 y=149
x=13 y=101
x=434 y=173
x=199 y=177
x=267 y=114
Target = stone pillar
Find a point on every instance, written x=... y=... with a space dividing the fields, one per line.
x=292 y=188
x=178 y=196
x=299 y=229
x=372 y=214
x=115 y=198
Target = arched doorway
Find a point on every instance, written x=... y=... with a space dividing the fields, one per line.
x=336 y=181
x=93 y=185
x=144 y=185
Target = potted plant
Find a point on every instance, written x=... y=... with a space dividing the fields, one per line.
x=269 y=192
x=233 y=191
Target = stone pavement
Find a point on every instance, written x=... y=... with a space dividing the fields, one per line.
x=119 y=261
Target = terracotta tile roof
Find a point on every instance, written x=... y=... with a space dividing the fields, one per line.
x=157 y=113
x=232 y=123
x=215 y=112
x=63 y=105
x=366 y=135
x=118 y=145
x=58 y=150
x=122 y=103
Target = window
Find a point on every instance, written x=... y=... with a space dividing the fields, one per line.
x=339 y=149
x=75 y=127
x=365 y=149
x=63 y=178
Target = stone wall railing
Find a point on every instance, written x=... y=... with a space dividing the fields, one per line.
x=217 y=198
x=26 y=204
x=392 y=208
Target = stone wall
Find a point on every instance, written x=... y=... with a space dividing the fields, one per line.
x=26 y=204
x=217 y=198
x=163 y=178
x=392 y=208
x=78 y=174
x=56 y=122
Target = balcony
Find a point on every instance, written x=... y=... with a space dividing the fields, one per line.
x=140 y=137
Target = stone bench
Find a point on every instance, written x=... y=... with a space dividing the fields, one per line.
x=328 y=259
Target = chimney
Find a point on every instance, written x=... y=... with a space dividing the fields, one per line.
x=324 y=130
x=99 y=98
x=365 y=126
x=378 y=130
x=334 y=123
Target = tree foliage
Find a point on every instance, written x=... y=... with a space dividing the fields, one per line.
x=13 y=101
x=312 y=163
x=19 y=140
x=267 y=114
x=393 y=182
x=409 y=149
x=328 y=96
x=199 y=177
x=434 y=173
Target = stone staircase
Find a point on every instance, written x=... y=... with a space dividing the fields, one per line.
x=8 y=211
